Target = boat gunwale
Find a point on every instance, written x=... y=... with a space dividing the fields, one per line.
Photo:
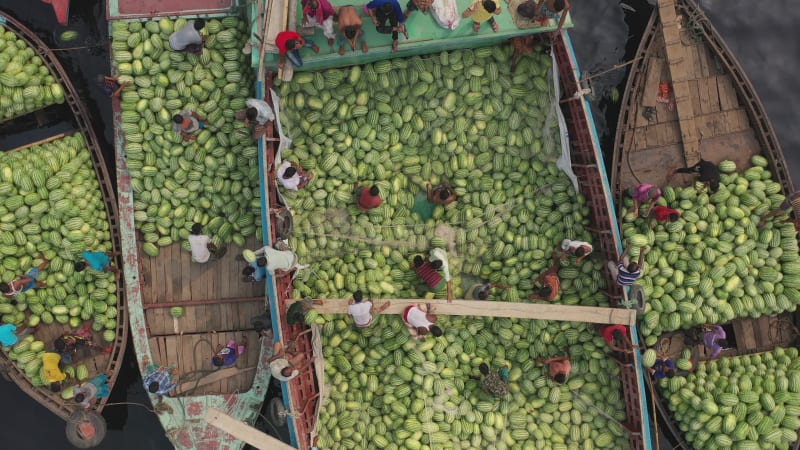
x=51 y=401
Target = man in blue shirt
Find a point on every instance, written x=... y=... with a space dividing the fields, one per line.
x=255 y=271
x=158 y=380
x=99 y=261
x=382 y=11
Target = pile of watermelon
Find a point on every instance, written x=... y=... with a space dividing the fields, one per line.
x=26 y=84
x=714 y=264
x=212 y=180
x=52 y=205
x=749 y=402
x=460 y=117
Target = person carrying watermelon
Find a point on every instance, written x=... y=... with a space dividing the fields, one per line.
x=187 y=123
x=202 y=247
x=618 y=332
x=27 y=282
x=792 y=203
x=494 y=382
x=367 y=197
x=96 y=388
x=663 y=214
x=579 y=249
x=625 y=272
x=442 y=194
x=361 y=311
x=549 y=280
x=292 y=176
x=99 y=261
x=257 y=111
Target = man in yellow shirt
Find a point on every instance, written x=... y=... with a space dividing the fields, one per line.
x=52 y=373
x=482 y=11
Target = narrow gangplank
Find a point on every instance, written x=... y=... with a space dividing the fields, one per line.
x=243 y=432
x=567 y=313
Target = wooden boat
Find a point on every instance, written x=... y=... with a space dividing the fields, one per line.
x=217 y=308
x=109 y=363
x=302 y=394
x=716 y=116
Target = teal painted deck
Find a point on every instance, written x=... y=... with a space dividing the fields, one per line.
x=425 y=36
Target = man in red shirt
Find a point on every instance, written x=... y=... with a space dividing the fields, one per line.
x=664 y=214
x=367 y=198
x=289 y=44
x=549 y=280
x=609 y=332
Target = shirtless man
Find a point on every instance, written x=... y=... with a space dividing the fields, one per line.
x=350 y=29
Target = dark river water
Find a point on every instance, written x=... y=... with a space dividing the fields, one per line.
x=762 y=35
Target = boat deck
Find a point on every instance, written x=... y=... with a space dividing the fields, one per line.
x=217 y=306
x=425 y=35
x=707 y=120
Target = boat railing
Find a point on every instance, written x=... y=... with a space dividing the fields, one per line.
x=104 y=182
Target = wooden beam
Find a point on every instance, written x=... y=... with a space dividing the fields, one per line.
x=243 y=432
x=590 y=314
x=213 y=301
x=210 y=379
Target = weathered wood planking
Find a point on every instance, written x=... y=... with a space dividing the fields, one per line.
x=243 y=432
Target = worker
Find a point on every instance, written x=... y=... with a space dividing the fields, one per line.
x=320 y=14
x=255 y=271
x=643 y=193
x=361 y=311
x=367 y=197
x=579 y=249
x=663 y=214
x=289 y=44
x=51 y=372
x=68 y=344
x=257 y=111
x=96 y=388
x=439 y=254
x=296 y=313
x=27 y=282
x=612 y=332
x=158 y=380
x=188 y=37
x=480 y=291
x=625 y=272
x=227 y=355
x=483 y=11
x=98 y=261
x=388 y=17
x=202 y=247
x=714 y=340
x=350 y=29
x=791 y=203
x=494 y=382
x=292 y=176
x=187 y=123
x=549 y=280
x=708 y=173
x=559 y=367
x=9 y=336
x=286 y=369
x=279 y=262
x=420 y=320
x=442 y=194
x=663 y=368
x=543 y=10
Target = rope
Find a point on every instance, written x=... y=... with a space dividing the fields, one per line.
x=132 y=403
x=587 y=403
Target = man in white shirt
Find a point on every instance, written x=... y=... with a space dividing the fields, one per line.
x=257 y=111
x=438 y=254
x=279 y=262
x=188 y=38
x=420 y=321
x=362 y=311
x=292 y=176
x=285 y=369
x=579 y=249
x=201 y=245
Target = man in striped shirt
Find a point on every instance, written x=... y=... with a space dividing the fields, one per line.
x=624 y=271
x=792 y=203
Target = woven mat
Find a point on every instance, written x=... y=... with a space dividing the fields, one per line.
x=519 y=21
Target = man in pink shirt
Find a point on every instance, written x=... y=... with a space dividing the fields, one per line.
x=642 y=194
x=320 y=13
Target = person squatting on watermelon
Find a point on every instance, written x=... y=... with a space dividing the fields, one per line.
x=320 y=14
x=68 y=344
x=350 y=29
x=296 y=313
x=99 y=261
x=292 y=176
x=792 y=203
x=158 y=380
x=257 y=111
x=187 y=123
x=714 y=340
x=51 y=371
x=429 y=271
x=544 y=10
x=387 y=11
x=422 y=6
x=482 y=11
x=27 y=282
x=549 y=281
x=579 y=249
x=111 y=85
x=663 y=368
x=708 y=171
x=494 y=382
x=255 y=271
x=624 y=271
x=367 y=197
x=202 y=247
x=188 y=38
x=289 y=44
x=286 y=369
x=361 y=311
x=420 y=321
x=227 y=355
x=643 y=193
x=663 y=214
x=96 y=388
x=442 y=194
x=611 y=332
x=558 y=366
x=480 y=291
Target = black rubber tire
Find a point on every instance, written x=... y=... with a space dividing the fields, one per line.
x=637 y=296
x=74 y=437
x=276 y=412
x=284 y=224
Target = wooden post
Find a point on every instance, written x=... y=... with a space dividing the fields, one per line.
x=545 y=311
x=243 y=432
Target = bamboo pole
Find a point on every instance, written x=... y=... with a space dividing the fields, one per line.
x=243 y=431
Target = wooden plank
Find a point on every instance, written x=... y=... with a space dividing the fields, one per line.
x=745 y=335
x=694 y=95
x=702 y=90
x=243 y=432
x=762 y=328
x=652 y=80
x=713 y=94
x=460 y=307
x=727 y=95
